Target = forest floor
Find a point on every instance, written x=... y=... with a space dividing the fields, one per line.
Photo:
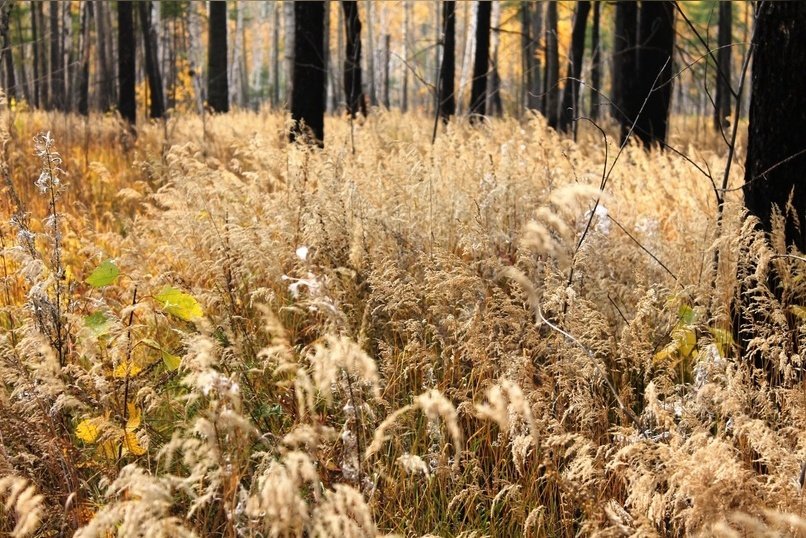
x=207 y=331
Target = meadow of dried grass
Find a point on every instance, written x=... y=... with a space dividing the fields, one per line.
x=206 y=331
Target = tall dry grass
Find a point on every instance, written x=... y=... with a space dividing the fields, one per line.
x=385 y=340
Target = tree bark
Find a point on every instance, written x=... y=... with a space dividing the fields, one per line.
x=654 y=63
x=8 y=58
x=157 y=109
x=625 y=38
x=126 y=69
x=217 y=80
x=531 y=27
x=38 y=60
x=596 y=63
x=404 y=101
x=571 y=91
x=353 y=92
x=551 y=88
x=373 y=92
x=275 y=56
x=481 y=63
x=723 y=94
x=106 y=76
x=83 y=86
x=308 y=95
x=57 y=101
x=776 y=163
x=447 y=71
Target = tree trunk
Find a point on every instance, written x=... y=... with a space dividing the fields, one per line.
x=373 y=94
x=8 y=59
x=494 y=106
x=531 y=27
x=551 y=88
x=569 y=110
x=38 y=60
x=126 y=69
x=625 y=38
x=275 y=56
x=56 y=77
x=404 y=102
x=217 y=83
x=596 y=63
x=83 y=97
x=353 y=92
x=447 y=100
x=776 y=163
x=654 y=65
x=106 y=76
x=308 y=88
x=288 y=26
x=481 y=63
x=157 y=109
x=387 y=58
x=24 y=53
x=723 y=93
x=237 y=90
x=256 y=73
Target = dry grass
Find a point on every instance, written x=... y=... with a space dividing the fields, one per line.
x=389 y=343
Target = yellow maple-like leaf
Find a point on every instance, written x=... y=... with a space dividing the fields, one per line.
x=87 y=430
x=126 y=368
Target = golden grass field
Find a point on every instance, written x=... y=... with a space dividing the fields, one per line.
x=219 y=334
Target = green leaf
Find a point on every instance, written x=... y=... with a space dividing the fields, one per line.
x=103 y=275
x=171 y=361
x=179 y=304
x=686 y=314
x=98 y=323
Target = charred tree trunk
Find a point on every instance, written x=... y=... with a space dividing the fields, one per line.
x=625 y=103
x=776 y=163
x=308 y=87
x=217 y=80
x=530 y=37
x=83 y=97
x=57 y=100
x=481 y=61
x=571 y=91
x=126 y=70
x=353 y=92
x=723 y=90
x=38 y=60
x=106 y=88
x=596 y=63
x=157 y=109
x=447 y=100
x=8 y=58
x=654 y=66
x=551 y=81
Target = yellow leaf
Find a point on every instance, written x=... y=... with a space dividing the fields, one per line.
x=109 y=449
x=133 y=422
x=132 y=444
x=799 y=311
x=667 y=352
x=171 y=361
x=123 y=369
x=87 y=430
x=687 y=339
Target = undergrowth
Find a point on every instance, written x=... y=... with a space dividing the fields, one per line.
x=205 y=331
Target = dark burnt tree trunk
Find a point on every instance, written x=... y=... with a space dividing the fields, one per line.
x=551 y=81
x=569 y=109
x=596 y=63
x=83 y=99
x=723 y=90
x=775 y=169
x=57 y=95
x=353 y=91
x=217 y=84
x=7 y=57
x=309 y=78
x=481 y=61
x=447 y=70
x=106 y=70
x=38 y=63
x=528 y=55
x=152 y=62
x=654 y=66
x=126 y=71
x=625 y=103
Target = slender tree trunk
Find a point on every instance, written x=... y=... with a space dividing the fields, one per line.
x=256 y=72
x=530 y=36
x=481 y=63
x=447 y=101
x=336 y=67
x=353 y=91
x=217 y=83
x=308 y=97
x=723 y=94
x=387 y=58
x=596 y=63
x=494 y=106
x=236 y=77
x=157 y=109
x=626 y=102
x=551 y=88
x=570 y=106
x=535 y=101
x=373 y=92
x=275 y=56
x=24 y=78
x=326 y=50
x=39 y=67
x=404 y=103
x=106 y=76
x=83 y=99
x=288 y=26
x=126 y=67
x=656 y=38
x=776 y=163
x=8 y=58
x=56 y=59
x=69 y=61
